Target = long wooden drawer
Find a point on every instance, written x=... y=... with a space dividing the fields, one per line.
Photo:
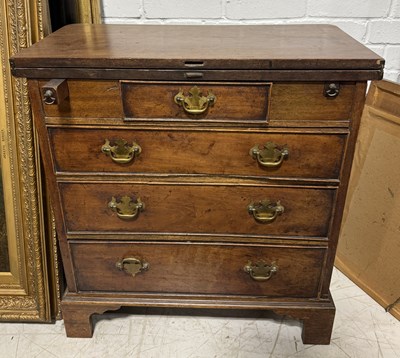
x=255 y=270
x=234 y=101
x=186 y=208
x=197 y=152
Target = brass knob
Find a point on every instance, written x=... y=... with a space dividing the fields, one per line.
x=126 y=209
x=265 y=211
x=132 y=265
x=195 y=103
x=261 y=271
x=49 y=97
x=121 y=152
x=270 y=156
x=331 y=90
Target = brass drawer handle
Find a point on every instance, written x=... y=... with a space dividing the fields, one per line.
x=195 y=103
x=121 y=152
x=126 y=209
x=265 y=211
x=261 y=271
x=132 y=265
x=270 y=155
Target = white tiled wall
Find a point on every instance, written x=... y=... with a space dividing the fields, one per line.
x=375 y=23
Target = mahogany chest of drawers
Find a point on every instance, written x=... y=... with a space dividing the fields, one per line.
x=198 y=166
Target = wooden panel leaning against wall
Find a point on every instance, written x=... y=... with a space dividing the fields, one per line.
x=29 y=280
x=369 y=249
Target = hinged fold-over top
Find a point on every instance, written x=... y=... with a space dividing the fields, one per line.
x=126 y=50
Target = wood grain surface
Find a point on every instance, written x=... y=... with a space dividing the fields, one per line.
x=88 y=99
x=197 y=268
x=317 y=156
x=306 y=101
x=240 y=101
x=220 y=47
x=189 y=209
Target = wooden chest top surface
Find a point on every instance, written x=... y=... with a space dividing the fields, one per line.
x=291 y=47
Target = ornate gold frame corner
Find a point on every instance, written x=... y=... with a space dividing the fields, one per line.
x=25 y=290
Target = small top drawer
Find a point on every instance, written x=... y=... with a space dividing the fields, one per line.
x=189 y=100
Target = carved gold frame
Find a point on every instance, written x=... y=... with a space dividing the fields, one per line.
x=25 y=291
x=89 y=11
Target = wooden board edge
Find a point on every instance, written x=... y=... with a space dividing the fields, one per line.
x=345 y=268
